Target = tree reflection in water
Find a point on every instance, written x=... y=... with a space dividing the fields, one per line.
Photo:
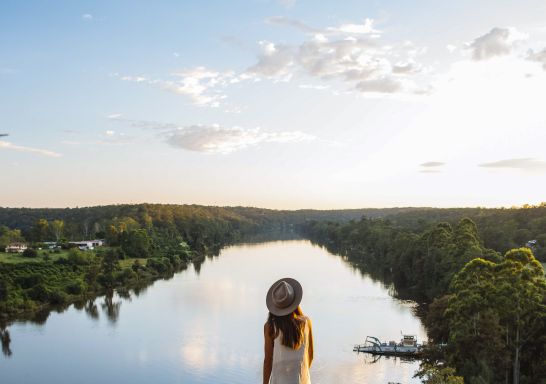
x=111 y=307
x=5 y=339
x=91 y=309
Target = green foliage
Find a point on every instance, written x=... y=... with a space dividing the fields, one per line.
x=30 y=253
x=433 y=374
x=77 y=257
x=497 y=316
x=491 y=309
x=422 y=263
x=136 y=243
x=8 y=236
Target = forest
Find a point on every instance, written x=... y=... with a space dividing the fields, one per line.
x=487 y=307
x=474 y=270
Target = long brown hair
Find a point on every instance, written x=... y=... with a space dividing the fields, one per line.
x=292 y=327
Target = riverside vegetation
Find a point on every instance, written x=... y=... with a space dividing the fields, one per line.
x=484 y=295
x=489 y=307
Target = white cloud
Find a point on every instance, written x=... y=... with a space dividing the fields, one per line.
x=216 y=139
x=201 y=85
x=350 y=53
x=539 y=57
x=10 y=146
x=497 y=42
x=87 y=17
x=432 y=164
x=528 y=164
x=380 y=85
x=358 y=29
x=276 y=61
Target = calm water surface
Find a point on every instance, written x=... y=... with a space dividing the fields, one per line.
x=207 y=327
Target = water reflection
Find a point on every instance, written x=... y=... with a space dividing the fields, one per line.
x=91 y=309
x=6 y=340
x=111 y=307
x=205 y=324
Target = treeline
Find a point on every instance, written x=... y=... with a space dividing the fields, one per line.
x=490 y=308
x=189 y=221
x=501 y=229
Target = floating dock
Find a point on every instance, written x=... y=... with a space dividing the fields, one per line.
x=407 y=346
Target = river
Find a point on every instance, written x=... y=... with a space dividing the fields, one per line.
x=205 y=325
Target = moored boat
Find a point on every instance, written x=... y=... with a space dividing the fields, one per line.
x=407 y=346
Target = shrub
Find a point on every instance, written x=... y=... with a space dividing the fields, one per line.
x=29 y=281
x=57 y=297
x=75 y=287
x=77 y=257
x=38 y=293
x=29 y=252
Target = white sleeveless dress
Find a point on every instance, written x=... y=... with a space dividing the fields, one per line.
x=291 y=366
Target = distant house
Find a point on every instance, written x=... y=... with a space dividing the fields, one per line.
x=16 y=248
x=98 y=242
x=87 y=244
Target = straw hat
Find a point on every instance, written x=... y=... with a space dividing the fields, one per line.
x=284 y=296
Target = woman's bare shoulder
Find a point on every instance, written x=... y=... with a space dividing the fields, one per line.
x=268 y=330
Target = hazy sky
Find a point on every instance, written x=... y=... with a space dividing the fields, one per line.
x=279 y=104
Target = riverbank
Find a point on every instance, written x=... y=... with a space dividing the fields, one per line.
x=488 y=307
x=33 y=286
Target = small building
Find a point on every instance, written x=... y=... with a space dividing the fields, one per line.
x=16 y=248
x=98 y=242
x=85 y=245
x=82 y=245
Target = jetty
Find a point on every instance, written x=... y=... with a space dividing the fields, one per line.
x=407 y=346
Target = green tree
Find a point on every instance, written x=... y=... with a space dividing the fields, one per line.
x=496 y=310
x=433 y=374
x=57 y=228
x=109 y=266
x=40 y=230
x=136 y=243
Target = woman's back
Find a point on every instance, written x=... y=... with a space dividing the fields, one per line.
x=291 y=366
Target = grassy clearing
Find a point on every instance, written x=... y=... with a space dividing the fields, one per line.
x=18 y=258
x=127 y=263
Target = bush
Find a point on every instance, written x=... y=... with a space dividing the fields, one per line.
x=126 y=275
x=159 y=264
x=77 y=257
x=29 y=252
x=38 y=293
x=57 y=297
x=29 y=281
x=75 y=287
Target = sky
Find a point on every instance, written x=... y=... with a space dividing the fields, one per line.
x=281 y=104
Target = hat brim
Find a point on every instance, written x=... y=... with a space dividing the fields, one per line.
x=298 y=294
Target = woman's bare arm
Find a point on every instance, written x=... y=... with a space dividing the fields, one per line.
x=268 y=352
x=310 y=350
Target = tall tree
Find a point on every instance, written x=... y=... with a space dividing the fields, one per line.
x=495 y=312
x=57 y=227
x=40 y=230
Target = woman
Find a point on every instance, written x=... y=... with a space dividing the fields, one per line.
x=288 y=336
